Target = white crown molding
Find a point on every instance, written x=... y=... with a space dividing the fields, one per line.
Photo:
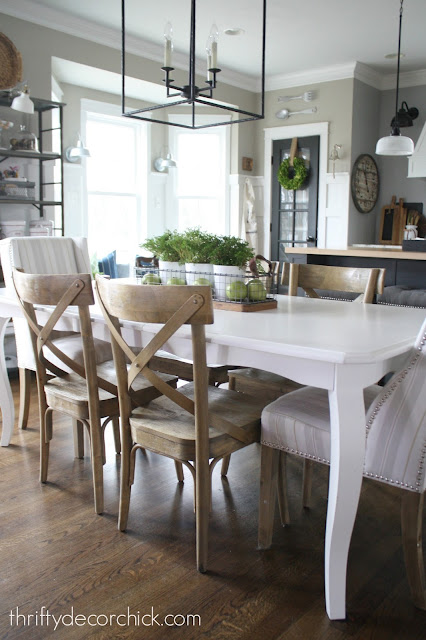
x=367 y=75
x=407 y=79
x=357 y=70
x=54 y=19
x=311 y=76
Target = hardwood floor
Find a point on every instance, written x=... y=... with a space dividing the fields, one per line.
x=58 y=554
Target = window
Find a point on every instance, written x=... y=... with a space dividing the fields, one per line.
x=200 y=181
x=116 y=176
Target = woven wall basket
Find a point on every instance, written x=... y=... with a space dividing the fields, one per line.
x=10 y=63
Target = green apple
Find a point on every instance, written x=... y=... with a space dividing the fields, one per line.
x=151 y=278
x=256 y=291
x=202 y=282
x=236 y=290
x=176 y=281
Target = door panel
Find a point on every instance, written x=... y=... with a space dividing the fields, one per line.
x=294 y=213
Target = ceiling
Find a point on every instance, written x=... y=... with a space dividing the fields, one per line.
x=300 y=36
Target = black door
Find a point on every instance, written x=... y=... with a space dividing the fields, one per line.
x=294 y=213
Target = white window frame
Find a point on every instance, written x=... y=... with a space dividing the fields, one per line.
x=142 y=130
x=225 y=132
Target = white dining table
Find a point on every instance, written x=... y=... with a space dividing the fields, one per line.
x=339 y=346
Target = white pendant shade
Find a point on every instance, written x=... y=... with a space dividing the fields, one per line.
x=395 y=145
x=23 y=103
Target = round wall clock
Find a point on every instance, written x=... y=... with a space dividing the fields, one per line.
x=365 y=183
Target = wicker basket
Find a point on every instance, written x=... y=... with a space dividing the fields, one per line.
x=10 y=63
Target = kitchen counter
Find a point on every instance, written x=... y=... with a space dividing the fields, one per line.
x=403 y=268
x=362 y=251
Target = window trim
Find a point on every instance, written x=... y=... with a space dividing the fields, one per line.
x=142 y=130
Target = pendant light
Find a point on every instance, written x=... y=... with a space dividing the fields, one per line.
x=395 y=144
x=22 y=102
x=196 y=93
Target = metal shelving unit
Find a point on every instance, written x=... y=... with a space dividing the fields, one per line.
x=42 y=108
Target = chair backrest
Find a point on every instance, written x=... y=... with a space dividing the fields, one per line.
x=59 y=292
x=396 y=425
x=366 y=282
x=43 y=256
x=171 y=306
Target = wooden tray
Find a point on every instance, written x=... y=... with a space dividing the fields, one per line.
x=245 y=306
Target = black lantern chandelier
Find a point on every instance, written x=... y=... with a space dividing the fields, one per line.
x=195 y=94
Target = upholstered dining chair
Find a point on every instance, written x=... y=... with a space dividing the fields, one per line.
x=51 y=255
x=195 y=424
x=364 y=283
x=299 y=423
x=87 y=394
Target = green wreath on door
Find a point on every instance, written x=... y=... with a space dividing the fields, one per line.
x=300 y=173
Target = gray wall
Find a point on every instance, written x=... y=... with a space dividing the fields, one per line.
x=333 y=101
x=38 y=44
x=365 y=127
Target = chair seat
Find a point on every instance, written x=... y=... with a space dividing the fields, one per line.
x=72 y=346
x=300 y=422
x=69 y=393
x=169 y=363
x=165 y=428
x=262 y=383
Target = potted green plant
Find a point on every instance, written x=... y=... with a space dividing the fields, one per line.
x=196 y=248
x=166 y=248
x=230 y=258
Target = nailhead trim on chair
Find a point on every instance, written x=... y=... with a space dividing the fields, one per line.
x=376 y=411
x=406 y=306
x=302 y=454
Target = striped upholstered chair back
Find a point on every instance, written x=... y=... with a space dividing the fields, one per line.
x=396 y=425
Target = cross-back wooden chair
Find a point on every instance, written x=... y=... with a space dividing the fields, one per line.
x=195 y=424
x=45 y=255
x=87 y=394
x=365 y=282
x=299 y=424
x=310 y=277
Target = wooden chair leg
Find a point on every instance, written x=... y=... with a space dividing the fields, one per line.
x=179 y=471
x=24 y=397
x=202 y=513
x=411 y=525
x=125 y=482
x=78 y=435
x=308 y=467
x=45 y=436
x=225 y=465
x=97 y=460
x=282 y=489
x=227 y=459
x=116 y=431
x=268 y=489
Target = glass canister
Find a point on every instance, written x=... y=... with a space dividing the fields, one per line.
x=24 y=140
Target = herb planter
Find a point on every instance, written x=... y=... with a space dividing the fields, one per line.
x=168 y=270
x=224 y=275
x=195 y=271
